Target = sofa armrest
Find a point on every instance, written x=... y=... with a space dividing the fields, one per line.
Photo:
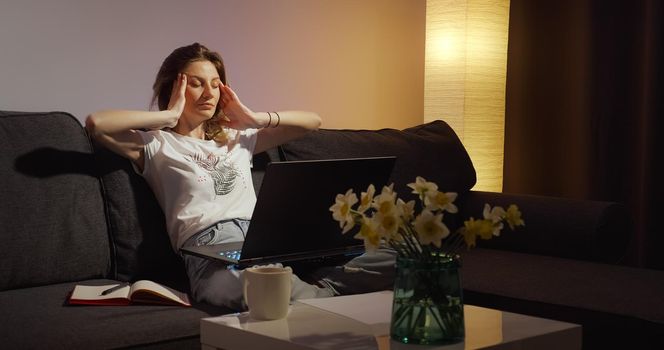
x=567 y=228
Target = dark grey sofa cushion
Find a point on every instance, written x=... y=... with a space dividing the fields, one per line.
x=50 y=324
x=259 y=163
x=52 y=223
x=562 y=227
x=141 y=247
x=431 y=150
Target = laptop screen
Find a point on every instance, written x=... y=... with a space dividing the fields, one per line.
x=292 y=215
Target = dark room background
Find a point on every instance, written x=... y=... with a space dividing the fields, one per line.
x=584 y=108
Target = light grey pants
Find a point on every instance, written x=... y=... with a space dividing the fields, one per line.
x=216 y=283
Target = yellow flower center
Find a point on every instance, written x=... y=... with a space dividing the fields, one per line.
x=344 y=209
x=389 y=222
x=431 y=227
x=441 y=199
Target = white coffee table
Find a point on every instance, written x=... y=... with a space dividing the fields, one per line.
x=362 y=322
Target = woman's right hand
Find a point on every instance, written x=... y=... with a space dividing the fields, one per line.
x=176 y=103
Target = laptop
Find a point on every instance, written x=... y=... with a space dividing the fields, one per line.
x=292 y=221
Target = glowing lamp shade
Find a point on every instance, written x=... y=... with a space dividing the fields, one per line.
x=464 y=78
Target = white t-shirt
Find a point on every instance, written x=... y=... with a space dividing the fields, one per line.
x=199 y=182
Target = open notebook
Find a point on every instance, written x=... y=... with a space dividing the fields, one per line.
x=292 y=221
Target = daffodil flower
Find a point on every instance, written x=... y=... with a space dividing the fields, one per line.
x=384 y=218
x=366 y=198
x=486 y=229
x=470 y=231
x=384 y=203
x=341 y=210
x=406 y=210
x=369 y=233
x=513 y=217
x=436 y=200
x=422 y=186
x=388 y=224
x=430 y=228
x=495 y=214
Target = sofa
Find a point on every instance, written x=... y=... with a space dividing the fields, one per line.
x=72 y=213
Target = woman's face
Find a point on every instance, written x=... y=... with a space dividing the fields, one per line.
x=203 y=90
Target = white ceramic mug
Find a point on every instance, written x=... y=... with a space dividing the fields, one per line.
x=267 y=291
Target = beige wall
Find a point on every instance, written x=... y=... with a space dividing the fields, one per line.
x=360 y=64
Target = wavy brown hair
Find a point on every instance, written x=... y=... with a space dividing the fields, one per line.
x=176 y=63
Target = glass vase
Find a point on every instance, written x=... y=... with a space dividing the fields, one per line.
x=428 y=301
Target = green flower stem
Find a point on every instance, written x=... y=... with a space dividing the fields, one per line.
x=403 y=247
x=410 y=318
x=415 y=241
x=420 y=314
x=410 y=247
x=409 y=243
x=413 y=234
x=440 y=322
x=403 y=312
x=455 y=244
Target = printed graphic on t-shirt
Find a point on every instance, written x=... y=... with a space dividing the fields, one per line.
x=222 y=171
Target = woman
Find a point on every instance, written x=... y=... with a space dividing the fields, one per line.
x=196 y=157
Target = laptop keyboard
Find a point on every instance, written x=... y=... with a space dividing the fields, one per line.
x=231 y=254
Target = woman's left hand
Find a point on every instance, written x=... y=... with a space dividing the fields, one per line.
x=239 y=116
